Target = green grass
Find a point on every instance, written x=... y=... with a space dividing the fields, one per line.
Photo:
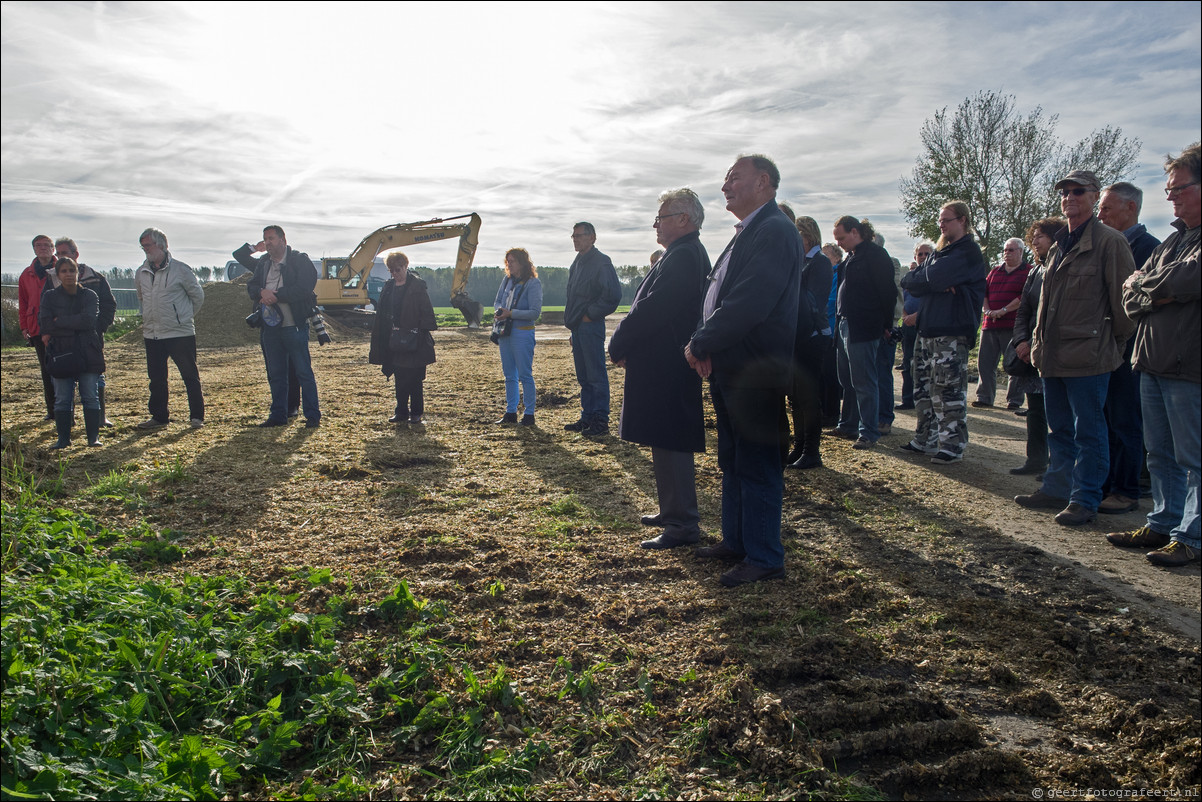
x=123 y=686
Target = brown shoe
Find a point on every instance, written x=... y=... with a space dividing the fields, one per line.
x=1040 y=500
x=1173 y=555
x=1114 y=504
x=1075 y=515
x=1143 y=538
x=718 y=551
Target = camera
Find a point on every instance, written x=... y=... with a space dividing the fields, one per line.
x=319 y=326
x=255 y=318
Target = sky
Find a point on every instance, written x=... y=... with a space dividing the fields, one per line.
x=212 y=120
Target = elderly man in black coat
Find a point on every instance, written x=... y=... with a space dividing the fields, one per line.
x=661 y=406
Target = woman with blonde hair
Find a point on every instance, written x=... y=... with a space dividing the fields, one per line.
x=518 y=305
x=951 y=287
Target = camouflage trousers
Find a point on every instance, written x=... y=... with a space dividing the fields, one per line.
x=941 y=394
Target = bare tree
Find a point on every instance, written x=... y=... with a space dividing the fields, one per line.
x=1003 y=165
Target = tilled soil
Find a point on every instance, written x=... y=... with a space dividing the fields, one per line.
x=932 y=640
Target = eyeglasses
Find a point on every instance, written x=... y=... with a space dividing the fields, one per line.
x=946 y=220
x=660 y=217
x=1171 y=191
x=1078 y=191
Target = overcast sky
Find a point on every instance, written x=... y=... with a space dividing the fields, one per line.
x=211 y=120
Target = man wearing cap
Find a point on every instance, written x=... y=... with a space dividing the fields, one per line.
x=1080 y=330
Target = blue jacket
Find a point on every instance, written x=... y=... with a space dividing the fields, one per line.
x=529 y=304
x=944 y=313
x=750 y=335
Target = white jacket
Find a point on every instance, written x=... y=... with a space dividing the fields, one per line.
x=170 y=299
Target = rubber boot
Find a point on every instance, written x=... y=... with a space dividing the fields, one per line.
x=91 y=425
x=63 y=422
x=104 y=416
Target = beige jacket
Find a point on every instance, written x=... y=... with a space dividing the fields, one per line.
x=1080 y=325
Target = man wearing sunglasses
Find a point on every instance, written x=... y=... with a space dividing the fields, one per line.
x=1080 y=330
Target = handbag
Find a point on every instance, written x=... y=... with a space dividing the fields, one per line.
x=65 y=357
x=1015 y=366
x=403 y=341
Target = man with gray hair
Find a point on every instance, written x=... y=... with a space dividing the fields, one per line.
x=744 y=346
x=1003 y=292
x=170 y=296
x=1081 y=330
x=1119 y=208
x=661 y=407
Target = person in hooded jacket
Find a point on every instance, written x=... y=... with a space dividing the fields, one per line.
x=951 y=284
x=401 y=343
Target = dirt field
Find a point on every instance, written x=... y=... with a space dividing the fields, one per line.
x=932 y=639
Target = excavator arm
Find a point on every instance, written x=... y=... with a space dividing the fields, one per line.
x=344 y=281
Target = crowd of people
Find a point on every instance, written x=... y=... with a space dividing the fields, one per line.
x=1097 y=333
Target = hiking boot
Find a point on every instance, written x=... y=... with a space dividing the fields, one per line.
x=1075 y=515
x=1040 y=500
x=863 y=444
x=1143 y=538
x=1116 y=504
x=1173 y=555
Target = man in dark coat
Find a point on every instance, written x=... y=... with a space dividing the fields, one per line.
x=661 y=406
x=283 y=285
x=745 y=347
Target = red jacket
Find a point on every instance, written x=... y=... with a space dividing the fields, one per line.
x=29 y=296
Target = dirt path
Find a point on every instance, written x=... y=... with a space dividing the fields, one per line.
x=997 y=443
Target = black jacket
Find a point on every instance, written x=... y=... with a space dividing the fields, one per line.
x=593 y=288
x=407 y=308
x=661 y=406
x=64 y=316
x=108 y=303
x=959 y=266
x=750 y=335
x=296 y=289
x=867 y=294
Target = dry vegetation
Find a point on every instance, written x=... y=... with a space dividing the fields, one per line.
x=911 y=649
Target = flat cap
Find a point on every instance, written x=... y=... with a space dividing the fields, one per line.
x=1085 y=178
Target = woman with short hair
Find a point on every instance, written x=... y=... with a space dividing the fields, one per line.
x=74 y=354
x=401 y=343
x=517 y=307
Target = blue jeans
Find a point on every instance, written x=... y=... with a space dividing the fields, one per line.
x=886 y=352
x=284 y=346
x=64 y=392
x=1172 y=419
x=1078 y=440
x=517 y=363
x=588 y=352
x=752 y=473
x=859 y=377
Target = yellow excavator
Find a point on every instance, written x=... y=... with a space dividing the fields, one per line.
x=342 y=285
